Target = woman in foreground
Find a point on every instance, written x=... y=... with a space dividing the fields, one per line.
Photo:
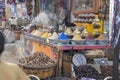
x=9 y=71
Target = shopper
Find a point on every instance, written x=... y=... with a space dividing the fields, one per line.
x=9 y=71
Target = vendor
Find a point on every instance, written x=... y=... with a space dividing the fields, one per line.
x=9 y=71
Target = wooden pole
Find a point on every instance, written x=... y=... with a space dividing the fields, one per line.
x=116 y=59
x=115 y=63
x=6 y=8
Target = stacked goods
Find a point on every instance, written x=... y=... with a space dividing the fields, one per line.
x=91 y=54
x=38 y=64
x=86 y=71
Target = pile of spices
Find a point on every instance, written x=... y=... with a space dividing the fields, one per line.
x=54 y=36
x=46 y=35
x=62 y=36
x=101 y=37
x=89 y=37
x=36 y=33
x=76 y=37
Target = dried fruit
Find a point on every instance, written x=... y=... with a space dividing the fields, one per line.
x=37 y=60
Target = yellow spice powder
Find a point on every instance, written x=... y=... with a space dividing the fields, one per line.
x=76 y=37
x=46 y=35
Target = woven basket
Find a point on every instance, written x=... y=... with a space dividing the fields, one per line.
x=42 y=72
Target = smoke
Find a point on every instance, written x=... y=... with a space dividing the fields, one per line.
x=47 y=19
x=41 y=19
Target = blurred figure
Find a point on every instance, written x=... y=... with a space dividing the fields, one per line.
x=9 y=71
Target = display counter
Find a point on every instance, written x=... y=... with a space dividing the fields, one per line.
x=58 y=51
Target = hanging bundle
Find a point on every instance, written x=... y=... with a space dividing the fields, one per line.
x=29 y=7
x=11 y=1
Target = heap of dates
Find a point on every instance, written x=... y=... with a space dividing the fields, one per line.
x=86 y=71
x=37 y=60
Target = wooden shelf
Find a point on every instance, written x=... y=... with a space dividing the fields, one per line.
x=93 y=9
x=64 y=47
x=82 y=47
x=90 y=47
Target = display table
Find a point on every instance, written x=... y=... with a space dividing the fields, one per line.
x=53 y=50
x=72 y=47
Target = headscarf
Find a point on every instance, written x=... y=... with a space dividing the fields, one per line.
x=2 y=42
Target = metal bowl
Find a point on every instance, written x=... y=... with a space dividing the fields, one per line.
x=79 y=42
x=102 y=42
x=52 y=40
x=90 y=42
x=63 y=41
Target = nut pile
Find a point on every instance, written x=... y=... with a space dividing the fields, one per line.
x=106 y=70
x=37 y=60
x=86 y=71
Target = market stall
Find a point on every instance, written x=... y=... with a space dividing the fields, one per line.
x=66 y=52
x=71 y=44
x=55 y=46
